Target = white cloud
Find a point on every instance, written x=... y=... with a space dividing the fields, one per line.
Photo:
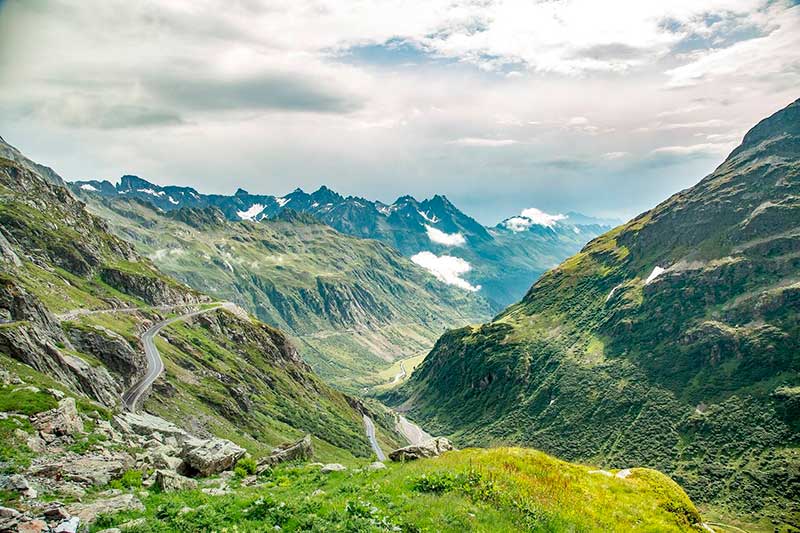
x=541 y=218
x=532 y=216
x=447 y=239
x=479 y=141
x=446 y=268
x=763 y=58
x=694 y=149
x=615 y=155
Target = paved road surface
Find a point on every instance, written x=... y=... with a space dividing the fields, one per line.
x=370 y=427
x=154 y=363
x=412 y=432
x=400 y=375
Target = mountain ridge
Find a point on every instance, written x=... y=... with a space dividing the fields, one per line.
x=502 y=260
x=674 y=337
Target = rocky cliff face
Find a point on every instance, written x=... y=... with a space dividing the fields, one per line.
x=671 y=341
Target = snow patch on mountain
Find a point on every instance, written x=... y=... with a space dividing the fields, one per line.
x=282 y=201
x=446 y=268
x=88 y=187
x=151 y=192
x=433 y=220
x=250 y=213
x=657 y=271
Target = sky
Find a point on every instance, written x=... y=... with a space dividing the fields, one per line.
x=605 y=108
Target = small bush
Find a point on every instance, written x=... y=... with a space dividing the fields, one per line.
x=435 y=482
x=132 y=479
x=248 y=464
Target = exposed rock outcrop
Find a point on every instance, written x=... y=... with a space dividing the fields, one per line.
x=169 y=481
x=63 y=420
x=88 y=512
x=296 y=451
x=112 y=349
x=430 y=448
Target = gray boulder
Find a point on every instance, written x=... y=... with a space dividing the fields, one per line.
x=208 y=457
x=430 y=448
x=147 y=425
x=68 y=526
x=169 y=481
x=20 y=484
x=88 y=512
x=297 y=451
x=332 y=467
x=91 y=469
x=63 y=420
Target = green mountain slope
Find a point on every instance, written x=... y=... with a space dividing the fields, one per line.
x=354 y=305
x=672 y=342
x=61 y=276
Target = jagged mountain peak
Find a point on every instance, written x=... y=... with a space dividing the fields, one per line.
x=129 y=181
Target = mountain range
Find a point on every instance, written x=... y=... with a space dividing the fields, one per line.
x=352 y=305
x=671 y=341
x=499 y=262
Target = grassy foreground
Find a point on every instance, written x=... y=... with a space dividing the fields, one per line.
x=504 y=489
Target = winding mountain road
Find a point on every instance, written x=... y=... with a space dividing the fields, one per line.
x=154 y=363
x=373 y=441
x=412 y=432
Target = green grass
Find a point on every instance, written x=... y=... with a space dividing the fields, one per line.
x=472 y=490
x=18 y=399
x=14 y=453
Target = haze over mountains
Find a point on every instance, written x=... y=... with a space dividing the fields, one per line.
x=499 y=262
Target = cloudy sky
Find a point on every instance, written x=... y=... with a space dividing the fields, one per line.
x=600 y=107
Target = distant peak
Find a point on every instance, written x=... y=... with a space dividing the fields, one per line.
x=405 y=199
x=241 y=192
x=129 y=181
x=325 y=195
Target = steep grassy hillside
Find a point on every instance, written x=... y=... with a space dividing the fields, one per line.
x=63 y=274
x=672 y=342
x=354 y=305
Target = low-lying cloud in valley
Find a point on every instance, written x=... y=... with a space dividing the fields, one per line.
x=446 y=268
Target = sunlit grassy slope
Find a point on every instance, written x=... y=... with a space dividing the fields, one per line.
x=507 y=489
